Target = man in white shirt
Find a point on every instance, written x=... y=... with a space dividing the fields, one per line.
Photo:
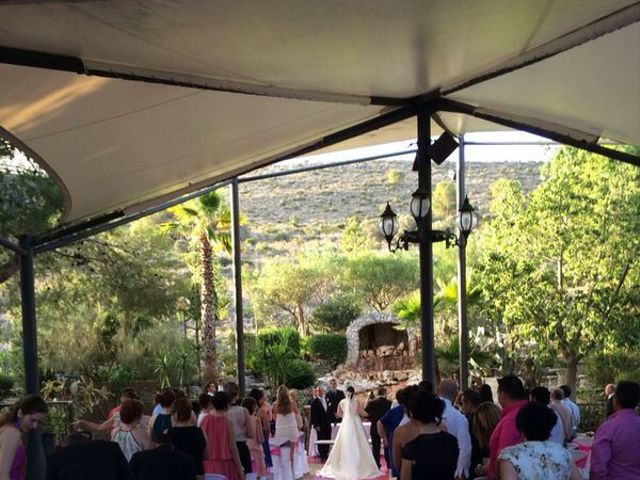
x=457 y=425
x=573 y=408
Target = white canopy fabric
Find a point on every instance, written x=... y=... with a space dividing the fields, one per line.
x=129 y=103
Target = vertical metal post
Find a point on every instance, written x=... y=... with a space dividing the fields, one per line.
x=237 y=276
x=29 y=333
x=463 y=329
x=426 y=250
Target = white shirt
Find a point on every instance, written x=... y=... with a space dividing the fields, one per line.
x=458 y=426
x=557 y=433
x=575 y=412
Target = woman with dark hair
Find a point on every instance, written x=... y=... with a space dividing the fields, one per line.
x=130 y=438
x=486 y=395
x=25 y=415
x=536 y=457
x=186 y=437
x=265 y=416
x=432 y=453
x=222 y=452
x=161 y=423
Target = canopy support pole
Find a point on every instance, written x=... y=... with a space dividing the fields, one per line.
x=463 y=327
x=237 y=276
x=29 y=331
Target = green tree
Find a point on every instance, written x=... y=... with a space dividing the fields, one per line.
x=205 y=223
x=557 y=264
x=444 y=200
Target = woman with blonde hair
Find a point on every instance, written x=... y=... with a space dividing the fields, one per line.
x=485 y=419
x=287 y=425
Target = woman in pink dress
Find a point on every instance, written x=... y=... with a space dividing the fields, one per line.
x=255 y=444
x=222 y=453
x=25 y=415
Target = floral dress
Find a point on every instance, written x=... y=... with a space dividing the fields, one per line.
x=538 y=460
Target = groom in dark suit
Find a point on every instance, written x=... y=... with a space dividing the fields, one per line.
x=375 y=410
x=334 y=396
x=321 y=422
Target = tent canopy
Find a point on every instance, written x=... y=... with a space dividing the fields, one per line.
x=129 y=103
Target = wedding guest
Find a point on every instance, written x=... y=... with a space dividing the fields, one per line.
x=427 y=386
x=485 y=420
x=130 y=438
x=255 y=444
x=321 y=421
x=573 y=408
x=243 y=424
x=542 y=396
x=222 y=455
x=457 y=425
x=293 y=396
x=617 y=441
x=469 y=402
x=205 y=407
x=185 y=437
x=287 y=425
x=432 y=453
x=391 y=420
x=375 y=410
x=210 y=388
x=536 y=457
x=557 y=395
x=163 y=462
x=609 y=391
x=23 y=416
x=161 y=422
x=113 y=421
x=221 y=385
x=333 y=397
x=264 y=415
x=126 y=394
x=486 y=395
x=512 y=397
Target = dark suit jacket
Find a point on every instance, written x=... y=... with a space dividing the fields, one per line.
x=163 y=463
x=319 y=416
x=375 y=410
x=333 y=399
x=93 y=459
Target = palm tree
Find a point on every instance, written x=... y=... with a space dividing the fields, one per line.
x=204 y=222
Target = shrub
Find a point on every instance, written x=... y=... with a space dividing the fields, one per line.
x=336 y=314
x=300 y=375
x=330 y=348
x=6 y=385
x=275 y=336
x=394 y=177
x=275 y=352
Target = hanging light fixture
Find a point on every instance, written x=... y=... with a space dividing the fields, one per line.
x=467 y=218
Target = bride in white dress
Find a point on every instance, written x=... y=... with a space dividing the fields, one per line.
x=351 y=456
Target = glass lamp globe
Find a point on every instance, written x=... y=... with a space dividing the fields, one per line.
x=467 y=218
x=420 y=204
x=389 y=223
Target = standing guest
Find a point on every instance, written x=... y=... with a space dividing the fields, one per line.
x=609 y=391
x=157 y=408
x=334 y=397
x=126 y=393
x=265 y=417
x=293 y=396
x=457 y=425
x=375 y=410
x=221 y=455
x=537 y=457
x=469 y=402
x=210 y=388
x=616 y=445
x=130 y=438
x=185 y=437
x=427 y=386
x=485 y=420
x=321 y=421
x=161 y=423
x=255 y=444
x=557 y=395
x=512 y=397
x=573 y=408
x=221 y=385
x=113 y=422
x=486 y=395
x=432 y=453
x=542 y=396
x=205 y=407
x=163 y=463
x=287 y=425
x=243 y=424
x=23 y=416
x=390 y=422
x=81 y=458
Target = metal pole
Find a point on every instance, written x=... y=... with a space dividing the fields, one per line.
x=237 y=276
x=29 y=333
x=463 y=329
x=426 y=251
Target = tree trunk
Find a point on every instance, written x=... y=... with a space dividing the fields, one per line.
x=572 y=374
x=208 y=299
x=9 y=268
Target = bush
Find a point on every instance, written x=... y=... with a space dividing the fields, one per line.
x=300 y=375
x=336 y=314
x=330 y=348
x=276 y=350
x=275 y=336
x=6 y=385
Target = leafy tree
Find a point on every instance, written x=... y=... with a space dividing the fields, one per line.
x=335 y=314
x=444 y=200
x=205 y=223
x=558 y=263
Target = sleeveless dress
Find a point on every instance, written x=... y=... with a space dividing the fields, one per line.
x=16 y=472
x=128 y=444
x=219 y=457
x=351 y=457
x=161 y=424
x=286 y=426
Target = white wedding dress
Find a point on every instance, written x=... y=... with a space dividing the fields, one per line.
x=350 y=457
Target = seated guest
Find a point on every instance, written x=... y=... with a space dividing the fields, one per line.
x=185 y=437
x=485 y=419
x=222 y=452
x=131 y=438
x=163 y=463
x=542 y=396
x=82 y=458
x=536 y=457
x=557 y=395
x=616 y=445
x=512 y=397
x=432 y=453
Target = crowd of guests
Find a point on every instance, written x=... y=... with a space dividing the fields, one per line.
x=219 y=434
